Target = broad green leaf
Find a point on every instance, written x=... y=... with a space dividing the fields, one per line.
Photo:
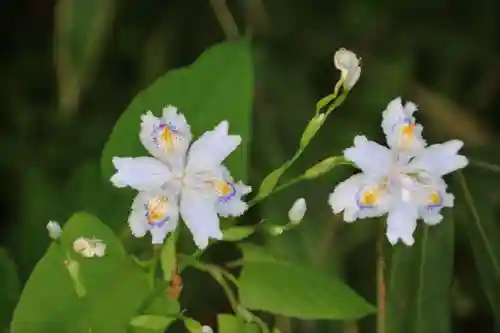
x=234 y=234
x=192 y=325
x=256 y=253
x=157 y=324
x=297 y=291
x=217 y=87
x=164 y=306
x=48 y=302
x=10 y=288
x=420 y=279
x=231 y=324
x=114 y=286
x=111 y=310
x=82 y=27
x=168 y=260
x=481 y=226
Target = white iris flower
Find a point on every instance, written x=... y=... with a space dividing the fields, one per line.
x=184 y=179
x=403 y=181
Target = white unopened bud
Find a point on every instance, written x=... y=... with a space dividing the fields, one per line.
x=89 y=248
x=54 y=229
x=207 y=329
x=298 y=210
x=349 y=65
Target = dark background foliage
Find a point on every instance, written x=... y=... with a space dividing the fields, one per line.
x=444 y=55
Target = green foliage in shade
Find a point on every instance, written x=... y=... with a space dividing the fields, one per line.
x=231 y=324
x=273 y=285
x=114 y=286
x=480 y=224
x=218 y=86
x=420 y=279
x=9 y=288
x=81 y=31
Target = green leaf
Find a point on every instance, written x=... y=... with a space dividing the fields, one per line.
x=271 y=180
x=324 y=166
x=114 y=286
x=164 y=306
x=231 y=324
x=481 y=226
x=311 y=129
x=155 y=323
x=217 y=87
x=297 y=291
x=234 y=234
x=10 y=288
x=256 y=253
x=167 y=257
x=82 y=28
x=192 y=325
x=325 y=101
x=420 y=279
x=111 y=310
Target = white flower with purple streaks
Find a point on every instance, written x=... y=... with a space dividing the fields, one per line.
x=405 y=182
x=181 y=179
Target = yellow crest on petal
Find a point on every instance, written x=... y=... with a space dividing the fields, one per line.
x=157 y=210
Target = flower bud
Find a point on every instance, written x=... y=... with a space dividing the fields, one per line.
x=206 y=329
x=54 y=229
x=298 y=210
x=349 y=65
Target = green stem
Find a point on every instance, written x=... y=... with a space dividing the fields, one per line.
x=256 y=200
x=486 y=165
x=381 y=287
x=337 y=102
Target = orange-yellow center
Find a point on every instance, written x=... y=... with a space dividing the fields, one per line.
x=168 y=138
x=157 y=209
x=408 y=129
x=369 y=197
x=223 y=188
x=434 y=198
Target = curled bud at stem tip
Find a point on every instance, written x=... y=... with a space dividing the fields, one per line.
x=349 y=64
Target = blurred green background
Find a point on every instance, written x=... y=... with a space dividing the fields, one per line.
x=69 y=69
